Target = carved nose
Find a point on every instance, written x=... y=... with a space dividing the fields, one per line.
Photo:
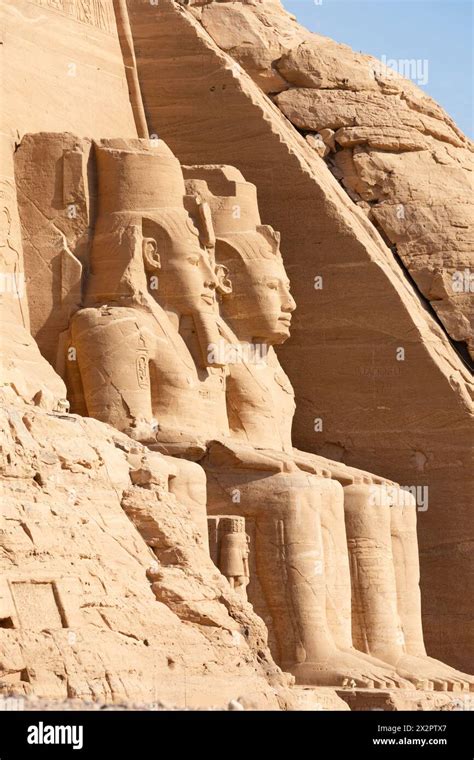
x=210 y=278
x=290 y=304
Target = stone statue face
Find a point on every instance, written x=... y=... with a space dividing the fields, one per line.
x=260 y=305
x=187 y=280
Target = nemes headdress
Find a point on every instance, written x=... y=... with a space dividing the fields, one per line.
x=234 y=209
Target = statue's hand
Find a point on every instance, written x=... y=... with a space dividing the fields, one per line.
x=230 y=453
x=309 y=463
x=143 y=430
x=179 y=443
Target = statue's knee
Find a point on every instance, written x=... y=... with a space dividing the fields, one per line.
x=189 y=482
x=85 y=320
x=360 y=496
x=119 y=324
x=367 y=504
x=407 y=500
x=404 y=512
x=300 y=511
x=334 y=491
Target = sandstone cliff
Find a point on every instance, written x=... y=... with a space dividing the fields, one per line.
x=405 y=417
x=106 y=589
x=106 y=593
x=396 y=152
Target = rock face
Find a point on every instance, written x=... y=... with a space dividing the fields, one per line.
x=62 y=69
x=106 y=591
x=24 y=373
x=56 y=215
x=107 y=588
x=397 y=153
x=364 y=350
x=161 y=537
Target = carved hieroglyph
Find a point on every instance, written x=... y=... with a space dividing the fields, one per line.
x=96 y=13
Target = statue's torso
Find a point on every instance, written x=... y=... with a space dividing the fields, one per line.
x=260 y=401
x=141 y=352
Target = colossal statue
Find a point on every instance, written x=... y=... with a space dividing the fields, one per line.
x=369 y=529
x=146 y=240
x=129 y=365
x=151 y=354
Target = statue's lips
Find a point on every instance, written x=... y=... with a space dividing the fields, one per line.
x=286 y=318
x=208 y=298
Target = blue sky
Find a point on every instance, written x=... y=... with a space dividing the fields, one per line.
x=438 y=31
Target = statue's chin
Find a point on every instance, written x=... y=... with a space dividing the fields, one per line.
x=280 y=336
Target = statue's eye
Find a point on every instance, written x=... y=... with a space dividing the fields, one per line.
x=273 y=284
x=194 y=260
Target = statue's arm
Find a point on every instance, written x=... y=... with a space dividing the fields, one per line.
x=228 y=452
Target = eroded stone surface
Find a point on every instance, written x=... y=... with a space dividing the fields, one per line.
x=422 y=203
x=62 y=69
x=126 y=613
x=108 y=590
x=356 y=401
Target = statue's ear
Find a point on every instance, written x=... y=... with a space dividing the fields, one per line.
x=224 y=283
x=151 y=257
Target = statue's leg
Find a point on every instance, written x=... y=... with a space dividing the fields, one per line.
x=407 y=570
x=407 y=573
x=290 y=565
x=112 y=354
x=338 y=581
x=338 y=578
x=67 y=367
x=189 y=487
x=377 y=624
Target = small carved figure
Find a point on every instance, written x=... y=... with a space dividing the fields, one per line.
x=234 y=553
